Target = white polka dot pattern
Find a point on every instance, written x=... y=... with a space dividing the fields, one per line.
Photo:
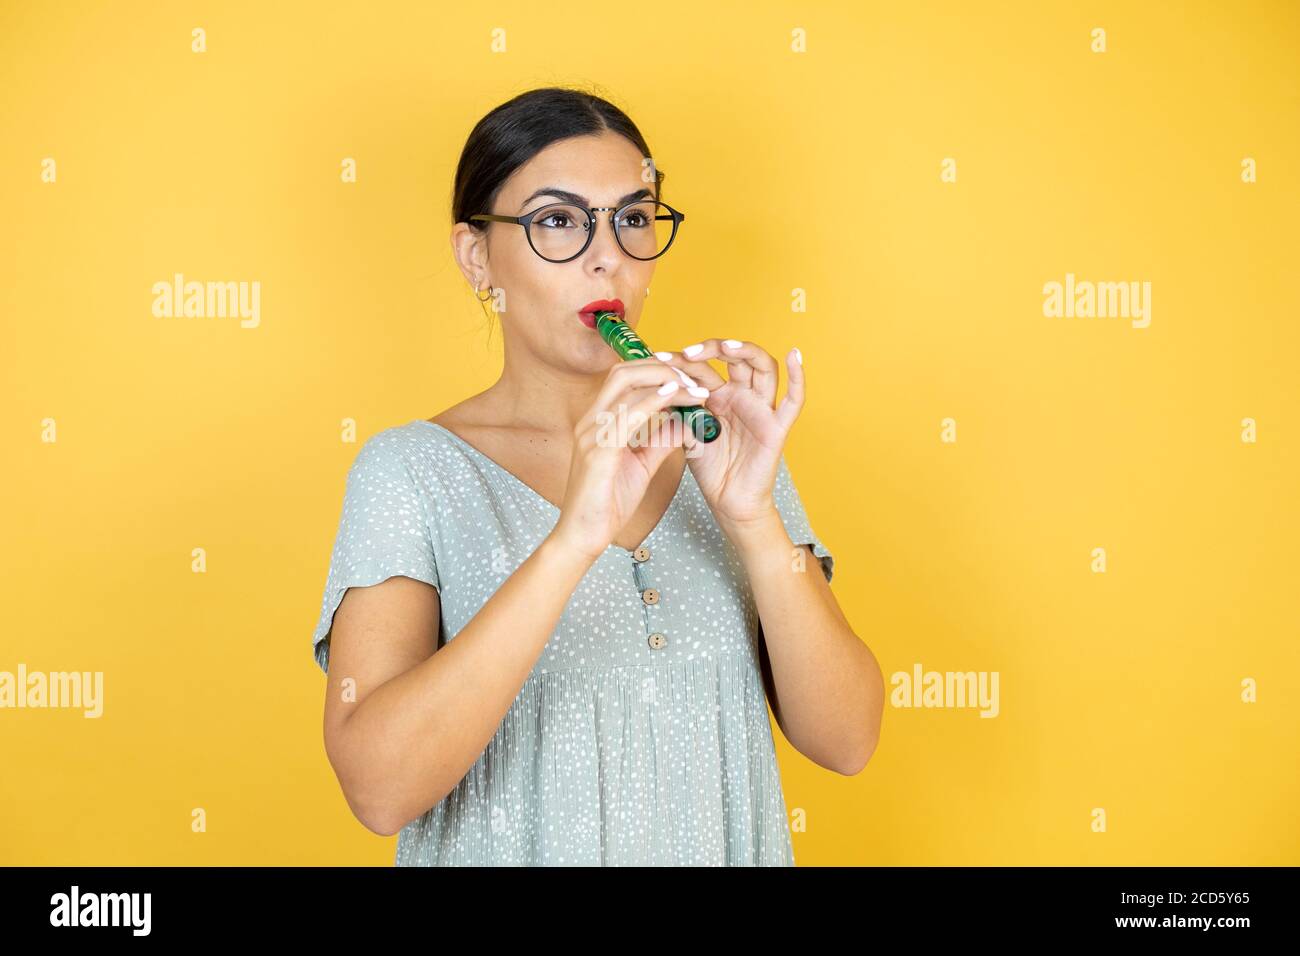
x=622 y=747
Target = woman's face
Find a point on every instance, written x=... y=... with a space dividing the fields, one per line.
x=542 y=299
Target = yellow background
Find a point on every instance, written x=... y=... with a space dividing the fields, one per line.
x=815 y=171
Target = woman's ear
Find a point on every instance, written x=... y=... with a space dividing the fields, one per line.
x=469 y=247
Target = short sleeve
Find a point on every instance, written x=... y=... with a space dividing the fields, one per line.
x=383 y=532
x=790 y=507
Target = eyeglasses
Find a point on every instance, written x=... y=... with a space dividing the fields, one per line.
x=560 y=232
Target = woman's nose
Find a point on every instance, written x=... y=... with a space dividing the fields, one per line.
x=604 y=246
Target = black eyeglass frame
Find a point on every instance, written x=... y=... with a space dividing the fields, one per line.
x=527 y=218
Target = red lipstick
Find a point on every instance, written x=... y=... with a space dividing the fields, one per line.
x=588 y=312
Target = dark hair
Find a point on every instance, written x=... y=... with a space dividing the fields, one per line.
x=520 y=128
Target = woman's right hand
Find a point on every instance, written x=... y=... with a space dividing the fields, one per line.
x=607 y=478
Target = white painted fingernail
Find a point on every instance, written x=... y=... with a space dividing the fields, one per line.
x=798 y=356
x=692 y=350
x=698 y=392
x=732 y=344
x=668 y=388
x=686 y=379
x=664 y=356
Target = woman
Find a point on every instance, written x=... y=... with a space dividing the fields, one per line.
x=551 y=638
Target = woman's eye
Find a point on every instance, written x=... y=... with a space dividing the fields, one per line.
x=635 y=220
x=549 y=221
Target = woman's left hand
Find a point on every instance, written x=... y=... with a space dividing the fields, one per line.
x=736 y=471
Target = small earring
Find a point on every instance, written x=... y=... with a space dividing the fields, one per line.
x=647 y=290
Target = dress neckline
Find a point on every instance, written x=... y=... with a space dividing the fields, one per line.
x=511 y=476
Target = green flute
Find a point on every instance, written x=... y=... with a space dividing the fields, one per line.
x=622 y=338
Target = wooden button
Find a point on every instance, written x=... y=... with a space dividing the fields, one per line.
x=650 y=596
x=657 y=641
x=641 y=554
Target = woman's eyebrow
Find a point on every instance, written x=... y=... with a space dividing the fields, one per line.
x=566 y=196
